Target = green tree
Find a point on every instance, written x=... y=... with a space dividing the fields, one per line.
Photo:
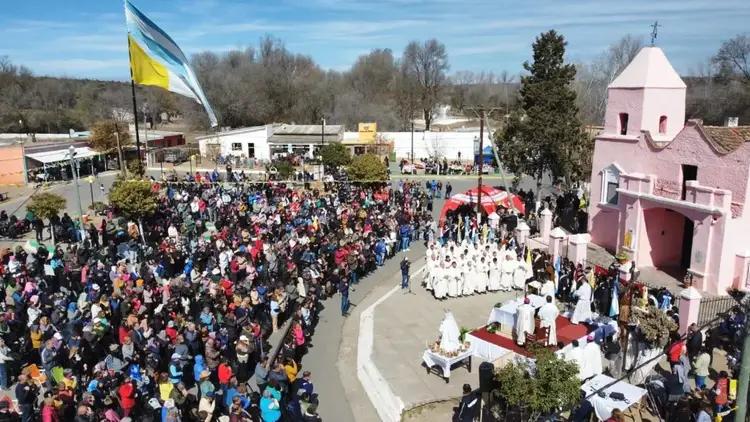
x=46 y=205
x=104 y=138
x=545 y=387
x=545 y=135
x=335 y=154
x=134 y=199
x=136 y=168
x=367 y=168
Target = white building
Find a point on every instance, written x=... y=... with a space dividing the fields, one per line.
x=247 y=142
x=265 y=142
x=450 y=145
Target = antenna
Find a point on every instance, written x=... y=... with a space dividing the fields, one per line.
x=654 y=32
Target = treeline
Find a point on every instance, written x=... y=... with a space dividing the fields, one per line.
x=269 y=83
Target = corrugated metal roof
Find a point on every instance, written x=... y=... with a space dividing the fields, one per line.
x=307 y=130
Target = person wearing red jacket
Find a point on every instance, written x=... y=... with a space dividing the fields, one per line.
x=126 y=392
x=224 y=372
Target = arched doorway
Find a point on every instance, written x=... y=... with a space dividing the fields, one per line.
x=666 y=240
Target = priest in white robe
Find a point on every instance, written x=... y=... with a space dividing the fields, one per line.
x=507 y=269
x=494 y=280
x=582 y=311
x=482 y=278
x=548 y=315
x=440 y=281
x=548 y=289
x=469 y=278
x=521 y=274
x=453 y=274
x=575 y=355
x=592 y=359
x=524 y=321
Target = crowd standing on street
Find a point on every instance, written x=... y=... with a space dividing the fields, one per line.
x=174 y=323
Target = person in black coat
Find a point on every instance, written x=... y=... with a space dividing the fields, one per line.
x=468 y=408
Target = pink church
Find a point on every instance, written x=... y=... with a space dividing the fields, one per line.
x=671 y=194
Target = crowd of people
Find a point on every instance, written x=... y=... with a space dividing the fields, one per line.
x=177 y=328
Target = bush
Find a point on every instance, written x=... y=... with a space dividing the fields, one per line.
x=99 y=208
x=367 y=168
x=335 y=154
x=136 y=168
x=541 y=388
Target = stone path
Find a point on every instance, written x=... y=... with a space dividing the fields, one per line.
x=405 y=323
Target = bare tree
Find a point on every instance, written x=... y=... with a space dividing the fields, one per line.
x=733 y=58
x=427 y=63
x=593 y=79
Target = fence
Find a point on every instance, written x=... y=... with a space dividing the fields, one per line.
x=711 y=307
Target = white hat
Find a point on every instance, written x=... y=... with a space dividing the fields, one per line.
x=244 y=338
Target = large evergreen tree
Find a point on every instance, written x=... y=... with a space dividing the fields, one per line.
x=545 y=136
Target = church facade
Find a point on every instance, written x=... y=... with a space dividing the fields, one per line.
x=671 y=194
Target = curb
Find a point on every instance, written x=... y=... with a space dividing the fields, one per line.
x=388 y=405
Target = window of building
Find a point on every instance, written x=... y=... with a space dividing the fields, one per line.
x=236 y=146
x=663 y=124
x=623 y=123
x=251 y=150
x=610 y=183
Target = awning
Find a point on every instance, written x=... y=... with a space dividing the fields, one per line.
x=48 y=157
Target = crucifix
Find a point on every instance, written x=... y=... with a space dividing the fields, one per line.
x=654 y=32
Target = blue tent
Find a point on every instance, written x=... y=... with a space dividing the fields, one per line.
x=487 y=155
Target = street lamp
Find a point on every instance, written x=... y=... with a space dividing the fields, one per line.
x=90 y=179
x=71 y=156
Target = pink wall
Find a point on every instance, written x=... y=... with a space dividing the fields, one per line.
x=12 y=172
x=662 y=244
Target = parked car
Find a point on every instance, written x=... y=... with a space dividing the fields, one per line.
x=176 y=156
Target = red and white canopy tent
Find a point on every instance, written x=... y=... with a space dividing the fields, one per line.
x=491 y=199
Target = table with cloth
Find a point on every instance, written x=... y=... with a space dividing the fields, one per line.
x=603 y=406
x=433 y=359
x=506 y=314
x=484 y=349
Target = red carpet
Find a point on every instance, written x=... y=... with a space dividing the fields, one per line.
x=566 y=332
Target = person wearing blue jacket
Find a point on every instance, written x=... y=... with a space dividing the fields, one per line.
x=198 y=367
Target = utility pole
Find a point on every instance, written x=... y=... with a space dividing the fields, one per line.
x=71 y=156
x=119 y=151
x=481 y=163
x=412 y=144
x=322 y=144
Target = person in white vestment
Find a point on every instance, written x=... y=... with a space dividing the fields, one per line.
x=582 y=311
x=548 y=315
x=468 y=278
x=520 y=275
x=483 y=278
x=524 y=321
x=507 y=268
x=453 y=274
x=592 y=358
x=575 y=355
x=494 y=281
x=440 y=283
x=548 y=289
x=432 y=264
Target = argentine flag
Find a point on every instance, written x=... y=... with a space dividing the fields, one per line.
x=156 y=60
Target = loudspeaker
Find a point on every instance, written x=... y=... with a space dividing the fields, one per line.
x=486 y=377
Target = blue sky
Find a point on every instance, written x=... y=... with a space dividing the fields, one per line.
x=86 y=38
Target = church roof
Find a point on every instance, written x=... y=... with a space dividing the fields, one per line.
x=650 y=68
x=727 y=139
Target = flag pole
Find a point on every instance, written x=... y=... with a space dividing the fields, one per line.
x=135 y=105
